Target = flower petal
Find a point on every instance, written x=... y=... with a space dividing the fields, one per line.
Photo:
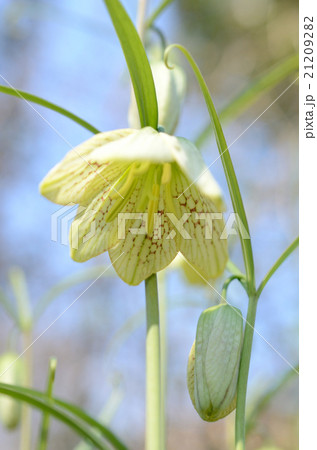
x=189 y=159
x=90 y=233
x=140 y=255
x=207 y=256
x=146 y=144
x=75 y=179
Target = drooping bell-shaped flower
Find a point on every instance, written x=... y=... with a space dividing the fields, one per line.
x=144 y=196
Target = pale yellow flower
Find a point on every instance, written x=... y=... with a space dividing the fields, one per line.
x=130 y=171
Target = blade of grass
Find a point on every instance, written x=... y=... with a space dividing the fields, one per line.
x=252 y=93
x=46 y=417
x=137 y=62
x=274 y=268
x=115 y=442
x=39 y=403
x=107 y=413
x=41 y=101
x=55 y=408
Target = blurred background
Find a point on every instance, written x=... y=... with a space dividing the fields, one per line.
x=68 y=53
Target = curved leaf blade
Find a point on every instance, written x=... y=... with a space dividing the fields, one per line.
x=41 y=101
x=55 y=408
x=138 y=64
x=228 y=168
x=15 y=392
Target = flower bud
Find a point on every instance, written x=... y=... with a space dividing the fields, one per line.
x=10 y=409
x=170 y=92
x=213 y=363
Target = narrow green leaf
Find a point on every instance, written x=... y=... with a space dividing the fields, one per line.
x=226 y=162
x=252 y=93
x=39 y=403
x=138 y=64
x=41 y=101
x=117 y=444
x=56 y=408
x=107 y=412
x=277 y=264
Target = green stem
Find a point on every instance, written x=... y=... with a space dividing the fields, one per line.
x=153 y=438
x=274 y=268
x=157 y=12
x=142 y=5
x=229 y=280
x=25 y=441
x=247 y=348
x=41 y=101
x=25 y=322
x=244 y=374
x=163 y=342
x=231 y=266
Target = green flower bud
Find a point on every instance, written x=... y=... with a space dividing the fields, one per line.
x=213 y=363
x=10 y=410
x=170 y=92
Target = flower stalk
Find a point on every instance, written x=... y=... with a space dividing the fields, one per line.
x=153 y=438
x=26 y=437
x=163 y=350
x=244 y=374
